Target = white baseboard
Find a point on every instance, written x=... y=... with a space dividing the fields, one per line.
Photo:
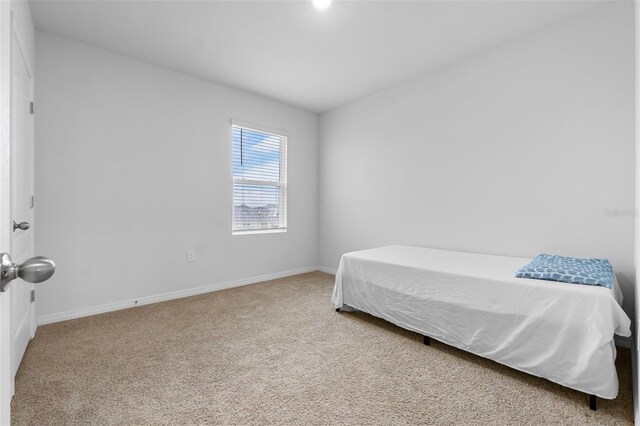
x=327 y=270
x=146 y=300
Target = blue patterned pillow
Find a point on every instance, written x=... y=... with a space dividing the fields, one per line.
x=569 y=270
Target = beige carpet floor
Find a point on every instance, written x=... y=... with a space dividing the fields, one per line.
x=277 y=353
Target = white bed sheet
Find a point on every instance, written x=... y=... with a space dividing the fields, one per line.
x=562 y=332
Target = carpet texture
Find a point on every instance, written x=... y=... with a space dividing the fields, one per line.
x=278 y=353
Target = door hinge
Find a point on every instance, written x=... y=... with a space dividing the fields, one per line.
x=33 y=296
x=32 y=108
x=32 y=201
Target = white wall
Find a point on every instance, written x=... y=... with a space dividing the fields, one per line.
x=515 y=151
x=133 y=167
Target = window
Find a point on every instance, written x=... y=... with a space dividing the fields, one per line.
x=259 y=180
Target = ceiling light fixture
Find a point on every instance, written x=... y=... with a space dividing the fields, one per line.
x=321 y=4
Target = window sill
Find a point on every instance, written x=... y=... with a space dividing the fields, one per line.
x=260 y=231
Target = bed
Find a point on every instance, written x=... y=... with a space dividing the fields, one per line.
x=561 y=332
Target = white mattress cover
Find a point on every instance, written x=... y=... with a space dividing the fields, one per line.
x=562 y=332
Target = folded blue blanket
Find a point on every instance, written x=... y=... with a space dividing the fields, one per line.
x=569 y=270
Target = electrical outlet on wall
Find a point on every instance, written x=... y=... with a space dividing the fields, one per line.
x=191 y=255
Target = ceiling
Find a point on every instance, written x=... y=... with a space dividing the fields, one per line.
x=288 y=50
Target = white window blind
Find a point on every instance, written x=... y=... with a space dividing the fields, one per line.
x=259 y=180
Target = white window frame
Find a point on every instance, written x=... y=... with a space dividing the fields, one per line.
x=281 y=184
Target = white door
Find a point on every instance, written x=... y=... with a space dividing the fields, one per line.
x=5 y=211
x=22 y=308
x=17 y=316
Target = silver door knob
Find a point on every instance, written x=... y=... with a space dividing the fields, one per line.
x=34 y=270
x=23 y=226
